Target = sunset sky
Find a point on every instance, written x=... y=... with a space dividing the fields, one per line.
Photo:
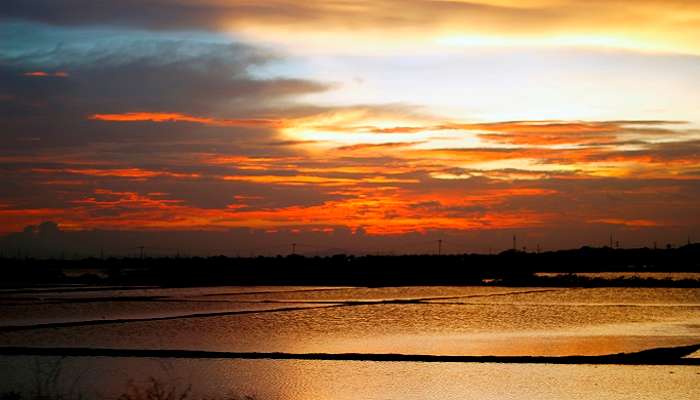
x=360 y=125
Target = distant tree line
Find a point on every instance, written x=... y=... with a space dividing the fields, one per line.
x=508 y=267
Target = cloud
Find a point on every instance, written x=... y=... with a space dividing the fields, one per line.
x=369 y=146
x=129 y=173
x=178 y=117
x=406 y=188
x=202 y=83
x=651 y=25
x=636 y=223
x=383 y=129
x=144 y=131
x=42 y=74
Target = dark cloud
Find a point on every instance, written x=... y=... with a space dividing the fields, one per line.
x=201 y=79
x=161 y=14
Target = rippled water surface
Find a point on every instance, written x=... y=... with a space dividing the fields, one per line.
x=412 y=320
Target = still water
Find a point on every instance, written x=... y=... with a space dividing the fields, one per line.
x=409 y=320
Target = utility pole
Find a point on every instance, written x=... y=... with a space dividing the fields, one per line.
x=439 y=243
x=141 y=251
x=515 y=245
x=538 y=248
x=611 y=241
x=294 y=248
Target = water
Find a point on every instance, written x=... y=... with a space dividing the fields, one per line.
x=675 y=276
x=414 y=320
x=352 y=380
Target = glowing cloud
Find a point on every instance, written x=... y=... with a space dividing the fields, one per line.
x=41 y=74
x=177 y=117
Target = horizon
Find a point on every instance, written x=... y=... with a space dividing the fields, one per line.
x=158 y=253
x=47 y=240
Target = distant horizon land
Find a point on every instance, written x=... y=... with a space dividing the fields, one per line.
x=49 y=240
x=66 y=256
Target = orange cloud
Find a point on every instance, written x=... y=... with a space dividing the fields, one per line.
x=633 y=223
x=543 y=139
x=296 y=180
x=367 y=146
x=522 y=178
x=59 y=74
x=178 y=117
x=132 y=173
x=379 y=210
x=389 y=211
x=362 y=129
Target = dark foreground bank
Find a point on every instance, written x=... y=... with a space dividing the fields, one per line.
x=656 y=356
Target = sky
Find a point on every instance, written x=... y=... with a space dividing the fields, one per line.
x=357 y=126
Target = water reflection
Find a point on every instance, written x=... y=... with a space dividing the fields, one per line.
x=412 y=320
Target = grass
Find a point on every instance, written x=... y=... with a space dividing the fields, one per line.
x=153 y=389
x=48 y=385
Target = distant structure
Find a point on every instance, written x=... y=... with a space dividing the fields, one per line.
x=439 y=247
x=515 y=243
